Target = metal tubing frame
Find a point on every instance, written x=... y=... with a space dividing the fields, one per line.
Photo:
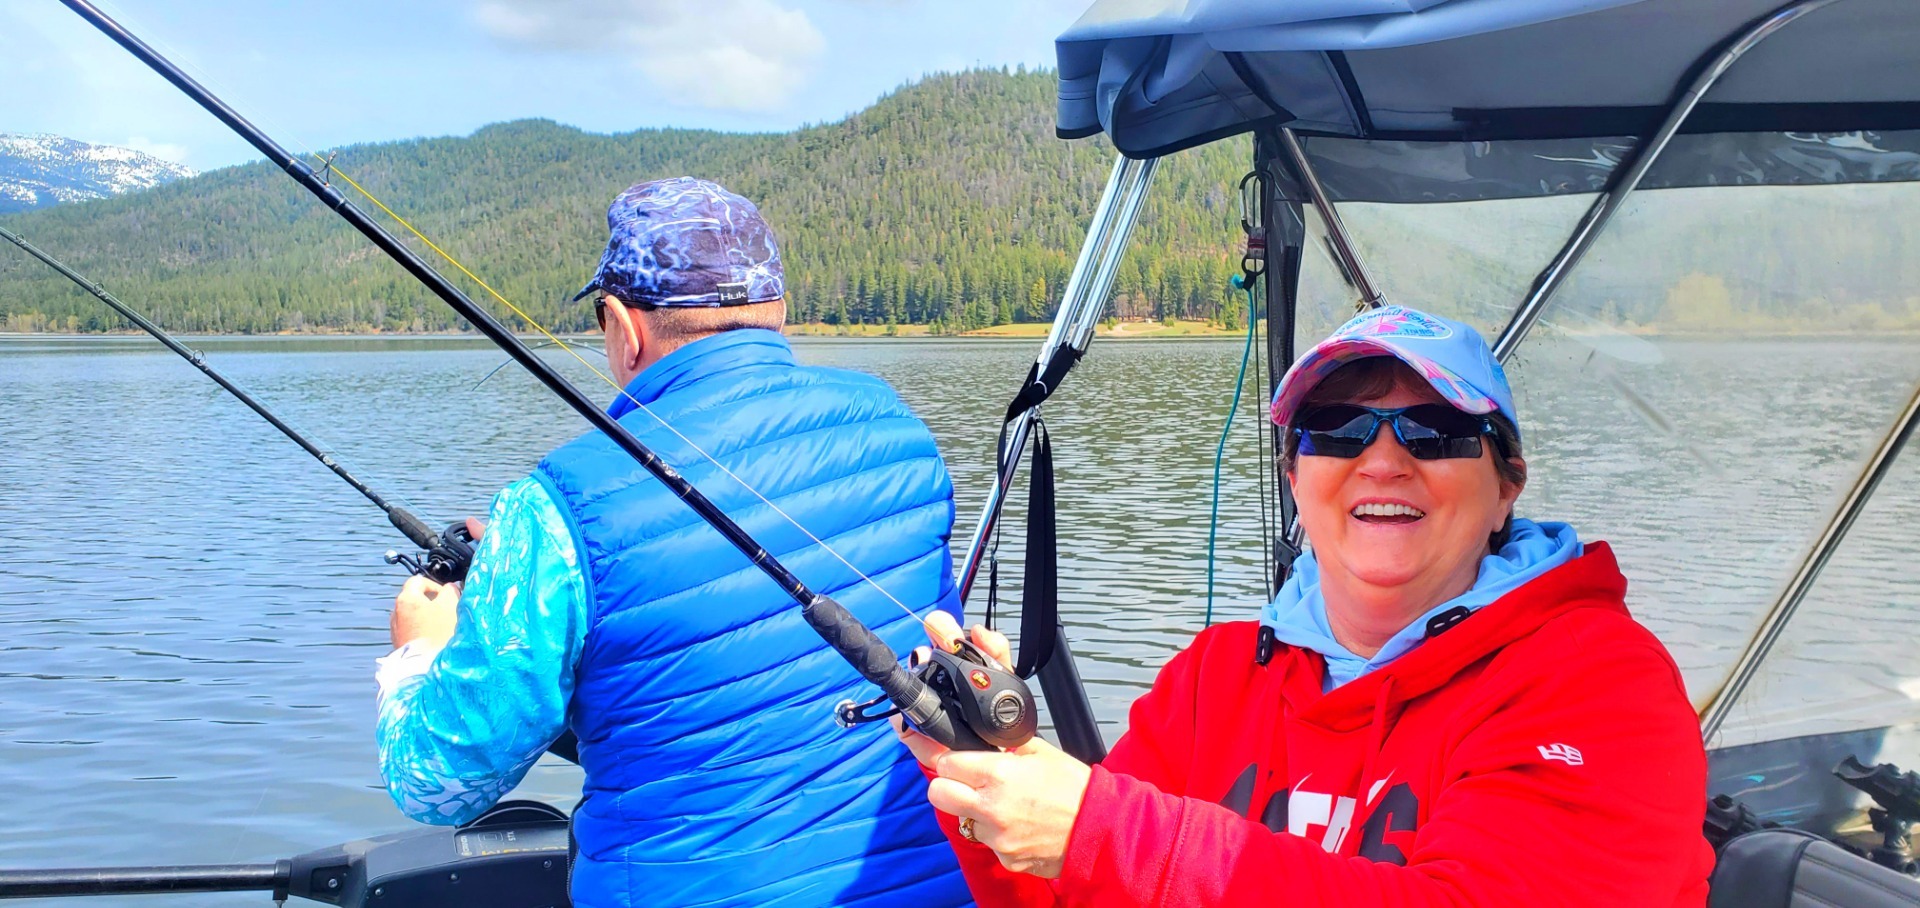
x=1081 y=303
x=1588 y=231
x=18 y=884
x=1131 y=202
x=1071 y=295
x=1771 y=627
x=1370 y=295
x=1644 y=156
x=1284 y=224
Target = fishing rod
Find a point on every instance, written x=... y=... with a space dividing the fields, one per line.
x=445 y=556
x=961 y=699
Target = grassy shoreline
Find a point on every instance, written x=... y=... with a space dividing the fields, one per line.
x=1133 y=329
x=1124 y=329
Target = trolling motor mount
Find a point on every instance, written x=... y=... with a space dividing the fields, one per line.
x=975 y=694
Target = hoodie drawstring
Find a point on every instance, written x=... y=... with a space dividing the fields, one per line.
x=1273 y=716
x=1376 y=739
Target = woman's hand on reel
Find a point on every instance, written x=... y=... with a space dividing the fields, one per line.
x=1021 y=803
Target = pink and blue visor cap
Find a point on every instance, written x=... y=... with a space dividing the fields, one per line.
x=1450 y=355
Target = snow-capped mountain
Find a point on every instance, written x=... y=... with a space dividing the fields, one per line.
x=41 y=170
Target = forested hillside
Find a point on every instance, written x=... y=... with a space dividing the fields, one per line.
x=949 y=202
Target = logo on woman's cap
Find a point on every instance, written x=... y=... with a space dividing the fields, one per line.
x=1397 y=321
x=1450 y=355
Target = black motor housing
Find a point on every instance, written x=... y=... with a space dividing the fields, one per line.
x=515 y=856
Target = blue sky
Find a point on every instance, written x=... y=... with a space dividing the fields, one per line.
x=320 y=74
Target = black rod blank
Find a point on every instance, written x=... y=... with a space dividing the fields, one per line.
x=867 y=653
x=403 y=520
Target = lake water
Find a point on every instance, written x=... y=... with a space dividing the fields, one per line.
x=190 y=607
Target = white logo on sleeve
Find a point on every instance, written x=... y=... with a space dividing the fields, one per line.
x=1565 y=753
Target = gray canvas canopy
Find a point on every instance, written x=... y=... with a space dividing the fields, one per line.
x=1643 y=327
x=1540 y=79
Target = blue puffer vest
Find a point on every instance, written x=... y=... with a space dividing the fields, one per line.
x=715 y=774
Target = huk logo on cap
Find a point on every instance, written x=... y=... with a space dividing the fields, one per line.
x=732 y=293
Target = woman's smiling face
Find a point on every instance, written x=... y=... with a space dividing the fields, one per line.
x=1392 y=529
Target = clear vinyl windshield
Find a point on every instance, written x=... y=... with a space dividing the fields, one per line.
x=1702 y=394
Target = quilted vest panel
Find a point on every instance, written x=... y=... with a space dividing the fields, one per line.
x=715 y=773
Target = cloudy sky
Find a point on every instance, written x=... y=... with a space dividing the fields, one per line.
x=319 y=73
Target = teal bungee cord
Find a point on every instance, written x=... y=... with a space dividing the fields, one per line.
x=1241 y=282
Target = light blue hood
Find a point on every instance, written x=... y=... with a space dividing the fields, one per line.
x=1298 y=614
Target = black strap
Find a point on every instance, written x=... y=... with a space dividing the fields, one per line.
x=1040 y=608
x=1041 y=382
x=1040 y=599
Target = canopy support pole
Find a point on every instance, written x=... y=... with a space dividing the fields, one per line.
x=1081 y=304
x=1343 y=249
x=1286 y=231
x=1643 y=158
x=1763 y=640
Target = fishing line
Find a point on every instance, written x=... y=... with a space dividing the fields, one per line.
x=175 y=52
x=327 y=165
x=555 y=340
x=995 y=710
x=509 y=361
x=446 y=558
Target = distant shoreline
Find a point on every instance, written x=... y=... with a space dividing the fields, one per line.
x=1125 y=330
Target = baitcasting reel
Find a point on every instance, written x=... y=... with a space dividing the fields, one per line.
x=988 y=706
x=447 y=561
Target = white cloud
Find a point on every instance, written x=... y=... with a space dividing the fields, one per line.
x=165 y=151
x=744 y=55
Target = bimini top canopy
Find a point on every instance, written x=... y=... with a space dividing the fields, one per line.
x=1162 y=75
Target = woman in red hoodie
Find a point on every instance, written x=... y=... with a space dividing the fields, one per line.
x=1443 y=706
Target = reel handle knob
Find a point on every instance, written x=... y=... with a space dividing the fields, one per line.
x=985 y=699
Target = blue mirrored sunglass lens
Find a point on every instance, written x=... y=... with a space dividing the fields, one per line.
x=1346 y=431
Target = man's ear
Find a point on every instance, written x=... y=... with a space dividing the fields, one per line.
x=627 y=320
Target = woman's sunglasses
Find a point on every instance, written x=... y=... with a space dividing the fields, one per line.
x=1427 y=431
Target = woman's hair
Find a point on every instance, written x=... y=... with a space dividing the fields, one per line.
x=1377 y=376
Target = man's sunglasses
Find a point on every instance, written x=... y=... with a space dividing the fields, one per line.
x=600 y=309
x=1427 y=431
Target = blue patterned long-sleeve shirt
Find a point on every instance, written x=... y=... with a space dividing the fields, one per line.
x=460 y=725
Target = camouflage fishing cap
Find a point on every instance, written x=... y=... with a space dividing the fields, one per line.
x=687 y=242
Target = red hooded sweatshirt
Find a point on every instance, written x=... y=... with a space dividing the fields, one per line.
x=1541 y=752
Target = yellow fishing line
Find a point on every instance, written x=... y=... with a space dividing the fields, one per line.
x=535 y=324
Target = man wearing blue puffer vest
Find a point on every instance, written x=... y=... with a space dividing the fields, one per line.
x=599 y=603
